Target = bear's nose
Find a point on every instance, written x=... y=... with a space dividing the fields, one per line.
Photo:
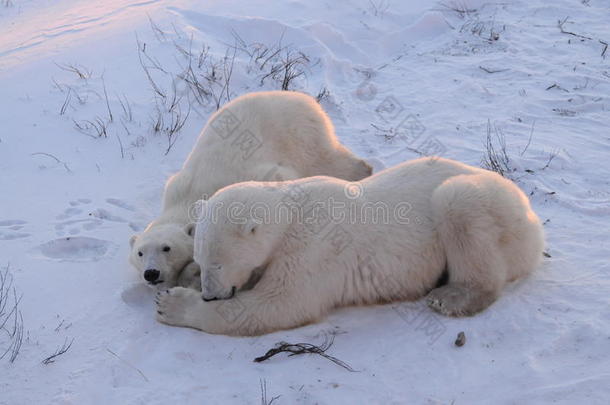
x=151 y=275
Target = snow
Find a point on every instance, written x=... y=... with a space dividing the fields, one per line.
x=69 y=202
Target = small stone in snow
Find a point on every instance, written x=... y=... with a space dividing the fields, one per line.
x=461 y=339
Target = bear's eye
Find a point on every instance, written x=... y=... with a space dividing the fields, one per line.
x=140 y=254
x=166 y=248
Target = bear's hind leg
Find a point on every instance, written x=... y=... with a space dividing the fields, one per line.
x=459 y=299
x=469 y=234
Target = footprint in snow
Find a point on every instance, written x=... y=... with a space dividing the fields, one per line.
x=137 y=295
x=121 y=204
x=73 y=225
x=77 y=249
x=78 y=217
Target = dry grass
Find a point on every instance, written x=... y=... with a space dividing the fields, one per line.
x=11 y=319
x=61 y=350
x=496 y=157
x=264 y=400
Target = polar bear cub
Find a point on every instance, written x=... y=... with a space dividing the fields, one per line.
x=279 y=255
x=275 y=135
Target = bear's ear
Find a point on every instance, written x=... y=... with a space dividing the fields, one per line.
x=132 y=240
x=190 y=229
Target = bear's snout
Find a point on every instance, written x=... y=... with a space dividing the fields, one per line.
x=151 y=275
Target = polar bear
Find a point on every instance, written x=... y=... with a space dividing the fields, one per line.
x=389 y=237
x=275 y=135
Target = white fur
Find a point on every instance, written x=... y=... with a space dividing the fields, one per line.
x=296 y=139
x=472 y=222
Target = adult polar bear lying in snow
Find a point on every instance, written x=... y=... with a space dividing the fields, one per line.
x=262 y=273
x=275 y=135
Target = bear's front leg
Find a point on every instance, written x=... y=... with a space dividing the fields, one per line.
x=246 y=314
x=180 y=306
x=184 y=307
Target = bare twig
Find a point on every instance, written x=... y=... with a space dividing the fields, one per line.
x=289 y=67
x=157 y=124
x=529 y=140
x=178 y=121
x=159 y=34
x=564 y=112
x=185 y=53
x=605 y=44
x=81 y=71
x=459 y=7
x=62 y=111
x=488 y=70
x=264 y=400
x=57 y=85
x=60 y=325
x=387 y=133
x=174 y=101
x=473 y=23
x=52 y=157
x=95 y=129
x=304 y=348
x=83 y=127
x=556 y=86
x=121 y=146
x=100 y=127
x=198 y=90
x=81 y=99
x=128 y=364
x=126 y=106
x=153 y=84
x=562 y=23
x=11 y=319
x=110 y=117
x=209 y=79
x=496 y=158
x=552 y=156
x=62 y=350
x=379 y=8
x=323 y=94
x=125 y=127
x=228 y=73
x=281 y=63
x=154 y=63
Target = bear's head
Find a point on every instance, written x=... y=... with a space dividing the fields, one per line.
x=233 y=245
x=161 y=252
